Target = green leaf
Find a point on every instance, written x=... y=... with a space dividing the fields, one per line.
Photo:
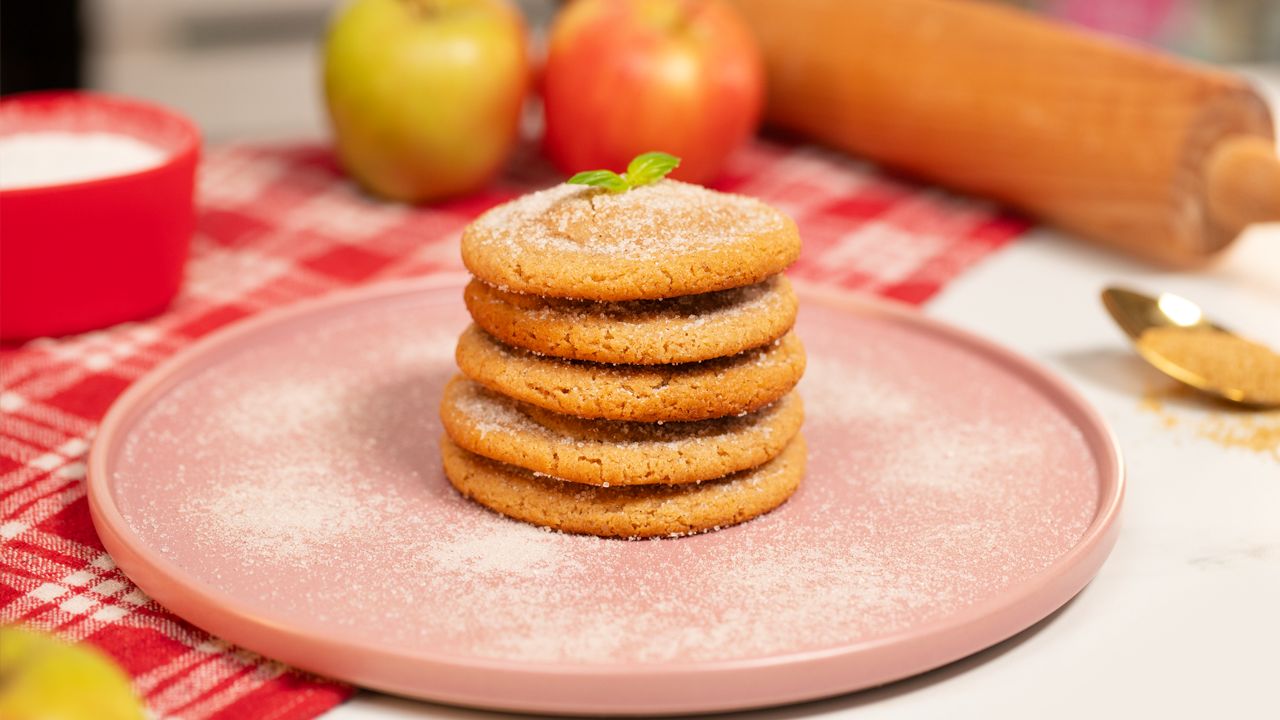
x=607 y=179
x=650 y=168
x=645 y=169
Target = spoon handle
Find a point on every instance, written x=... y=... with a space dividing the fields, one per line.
x=1243 y=176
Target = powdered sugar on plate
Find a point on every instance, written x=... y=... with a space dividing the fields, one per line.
x=319 y=511
x=299 y=476
x=505 y=549
x=843 y=390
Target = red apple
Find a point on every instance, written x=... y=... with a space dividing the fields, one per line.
x=425 y=95
x=624 y=77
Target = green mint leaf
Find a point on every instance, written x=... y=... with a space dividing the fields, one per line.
x=607 y=179
x=650 y=168
x=645 y=169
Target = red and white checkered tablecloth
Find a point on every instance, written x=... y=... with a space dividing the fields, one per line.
x=279 y=225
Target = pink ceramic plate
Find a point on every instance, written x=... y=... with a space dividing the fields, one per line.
x=279 y=485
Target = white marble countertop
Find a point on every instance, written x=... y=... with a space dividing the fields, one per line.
x=1184 y=618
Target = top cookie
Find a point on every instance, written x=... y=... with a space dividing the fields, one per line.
x=656 y=241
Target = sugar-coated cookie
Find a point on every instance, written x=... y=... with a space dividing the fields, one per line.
x=657 y=241
x=647 y=393
x=613 y=452
x=641 y=332
x=637 y=511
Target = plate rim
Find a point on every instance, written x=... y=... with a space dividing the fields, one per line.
x=1015 y=610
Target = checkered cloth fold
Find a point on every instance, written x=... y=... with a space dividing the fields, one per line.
x=278 y=225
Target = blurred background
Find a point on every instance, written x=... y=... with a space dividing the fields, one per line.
x=249 y=69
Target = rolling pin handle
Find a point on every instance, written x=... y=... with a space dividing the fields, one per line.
x=1243 y=180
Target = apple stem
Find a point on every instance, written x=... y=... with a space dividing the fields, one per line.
x=425 y=8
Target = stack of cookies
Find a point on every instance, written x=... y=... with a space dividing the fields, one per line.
x=631 y=367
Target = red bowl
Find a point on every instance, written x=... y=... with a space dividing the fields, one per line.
x=87 y=254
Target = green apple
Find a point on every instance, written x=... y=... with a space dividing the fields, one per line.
x=425 y=95
x=42 y=678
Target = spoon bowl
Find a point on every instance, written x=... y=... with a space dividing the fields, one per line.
x=1137 y=314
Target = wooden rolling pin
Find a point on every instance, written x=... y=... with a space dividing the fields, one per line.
x=1162 y=158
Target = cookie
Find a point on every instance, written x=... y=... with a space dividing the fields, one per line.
x=637 y=511
x=614 y=452
x=656 y=241
x=646 y=393
x=641 y=332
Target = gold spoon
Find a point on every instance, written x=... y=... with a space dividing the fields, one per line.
x=1136 y=313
